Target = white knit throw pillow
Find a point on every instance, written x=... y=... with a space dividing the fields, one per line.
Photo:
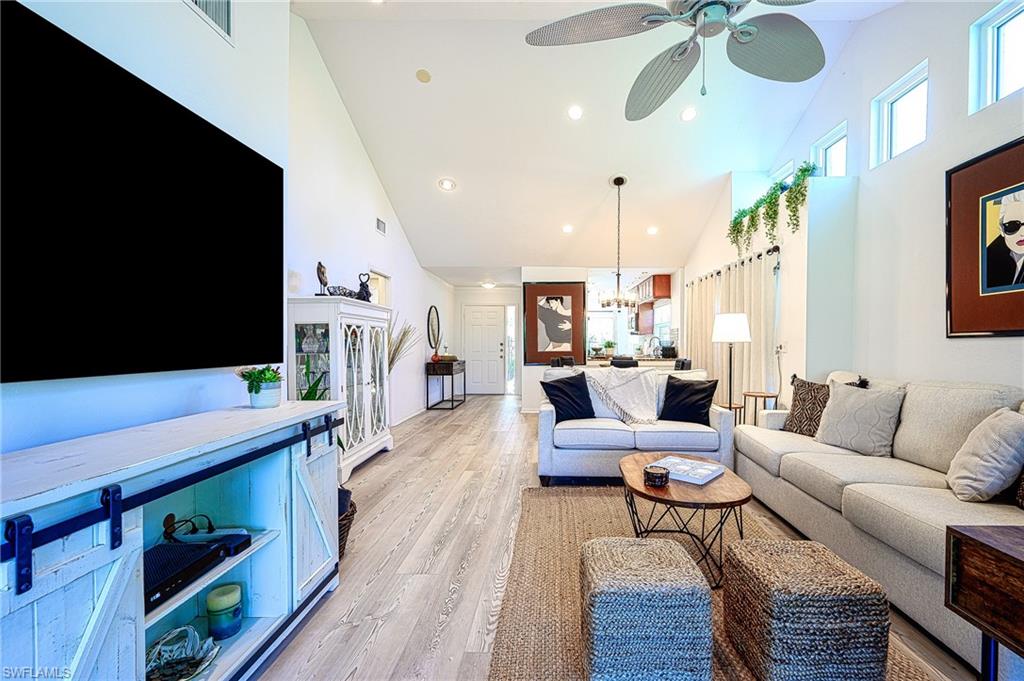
x=991 y=459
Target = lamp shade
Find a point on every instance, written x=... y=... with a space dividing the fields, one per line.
x=731 y=327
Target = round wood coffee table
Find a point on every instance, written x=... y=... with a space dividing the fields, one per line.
x=682 y=506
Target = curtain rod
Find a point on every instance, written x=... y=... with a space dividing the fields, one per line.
x=774 y=250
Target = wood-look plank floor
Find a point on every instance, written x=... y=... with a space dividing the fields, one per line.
x=430 y=549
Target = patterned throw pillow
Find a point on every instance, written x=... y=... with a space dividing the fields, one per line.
x=863 y=421
x=809 y=400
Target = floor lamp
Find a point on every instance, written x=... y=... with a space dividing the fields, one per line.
x=731 y=328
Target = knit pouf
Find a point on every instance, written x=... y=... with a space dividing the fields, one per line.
x=646 y=611
x=795 y=611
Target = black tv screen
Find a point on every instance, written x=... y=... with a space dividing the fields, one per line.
x=135 y=236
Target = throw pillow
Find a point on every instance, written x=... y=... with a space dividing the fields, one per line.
x=991 y=459
x=570 y=397
x=809 y=400
x=688 y=401
x=862 y=420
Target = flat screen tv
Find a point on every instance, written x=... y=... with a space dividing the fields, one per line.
x=135 y=236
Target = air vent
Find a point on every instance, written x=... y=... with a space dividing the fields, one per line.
x=217 y=11
x=382 y=227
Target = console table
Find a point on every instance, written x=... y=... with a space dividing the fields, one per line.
x=79 y=515
x=451 y=370
x=985 y=586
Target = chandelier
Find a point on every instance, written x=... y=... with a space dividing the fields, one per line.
x=620 y=301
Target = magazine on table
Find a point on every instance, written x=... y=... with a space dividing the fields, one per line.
x=694 y=472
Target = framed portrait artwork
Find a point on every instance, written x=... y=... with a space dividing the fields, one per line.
x=555 y=320
x=985 y=244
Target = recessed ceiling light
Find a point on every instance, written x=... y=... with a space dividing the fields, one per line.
x=567 y=229
x=377 y=2
x=446 y=184
x=575 y=112
x=488 y=284
x=652 y=230
x=423 y=76
x=689 y=113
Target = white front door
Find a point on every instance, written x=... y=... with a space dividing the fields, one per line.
x=483 y=333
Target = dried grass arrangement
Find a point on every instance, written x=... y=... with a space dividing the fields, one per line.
x=401 y=340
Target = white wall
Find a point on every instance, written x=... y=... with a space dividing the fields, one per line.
x=899 y=272
x=242 y=89
x=476 y=295
x=333 y=202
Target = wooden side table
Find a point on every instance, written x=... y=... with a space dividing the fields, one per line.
x=755 y=395
x=985 y=586
x=737 y=410
x=451 y=370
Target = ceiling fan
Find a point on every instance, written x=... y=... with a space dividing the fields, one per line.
x=773 y=46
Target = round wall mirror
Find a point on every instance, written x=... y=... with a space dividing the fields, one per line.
x=433 y=327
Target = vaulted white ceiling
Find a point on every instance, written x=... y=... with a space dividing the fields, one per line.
x=493 y=117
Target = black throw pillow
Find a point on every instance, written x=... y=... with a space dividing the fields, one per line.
x=688 y=401
x=570 y=397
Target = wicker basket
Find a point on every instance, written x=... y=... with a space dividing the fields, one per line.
x=344 y=525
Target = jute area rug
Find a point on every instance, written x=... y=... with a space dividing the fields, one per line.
x=538 y=635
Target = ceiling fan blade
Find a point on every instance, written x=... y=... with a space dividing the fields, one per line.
x=783 y=49
x=784 y=3
x=660 y=78
x=606 y=23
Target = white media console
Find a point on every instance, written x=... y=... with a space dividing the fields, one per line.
x=77 y=516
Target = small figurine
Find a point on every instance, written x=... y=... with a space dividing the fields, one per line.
x=321 y=274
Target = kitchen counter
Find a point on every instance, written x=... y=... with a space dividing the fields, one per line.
x=648 y=362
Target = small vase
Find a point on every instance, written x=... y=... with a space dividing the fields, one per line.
x=435 y=358
x=269 y=396
x=310 y=343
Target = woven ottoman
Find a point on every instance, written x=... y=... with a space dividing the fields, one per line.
x=646 y=611
x=795 y=611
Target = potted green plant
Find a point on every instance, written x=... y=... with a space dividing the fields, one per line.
x=314 y=390
x=609 y=347
x=263 y=384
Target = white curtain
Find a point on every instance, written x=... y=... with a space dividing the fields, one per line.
x=701 y=296
x=748 y=285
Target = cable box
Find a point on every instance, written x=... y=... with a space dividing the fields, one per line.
x=169 y=568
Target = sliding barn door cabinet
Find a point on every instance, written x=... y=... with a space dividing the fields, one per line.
x=79 y=515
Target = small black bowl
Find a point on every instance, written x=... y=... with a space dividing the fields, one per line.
x=655 y=476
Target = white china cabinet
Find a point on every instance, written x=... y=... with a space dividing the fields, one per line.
x=338 y=350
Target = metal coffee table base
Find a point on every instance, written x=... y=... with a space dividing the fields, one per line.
x=707 y=538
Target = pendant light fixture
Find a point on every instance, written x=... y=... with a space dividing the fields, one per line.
x=620 y=301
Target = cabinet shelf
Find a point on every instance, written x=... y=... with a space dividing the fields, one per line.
x=237 y=649
x=259 y=540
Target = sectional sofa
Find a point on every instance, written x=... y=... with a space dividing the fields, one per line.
x=887 y=516
x=591 y=448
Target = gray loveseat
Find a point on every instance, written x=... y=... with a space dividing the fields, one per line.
x=887 y=516
x=588 y=448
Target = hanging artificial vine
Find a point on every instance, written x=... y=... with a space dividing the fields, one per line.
x=753 y=221
x=796 y=196
x=747 y=220
x=736 y=229
x=771 y=213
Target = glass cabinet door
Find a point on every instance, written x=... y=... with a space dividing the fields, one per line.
x=378 y=375
x=355 y=383
x=312 y=362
